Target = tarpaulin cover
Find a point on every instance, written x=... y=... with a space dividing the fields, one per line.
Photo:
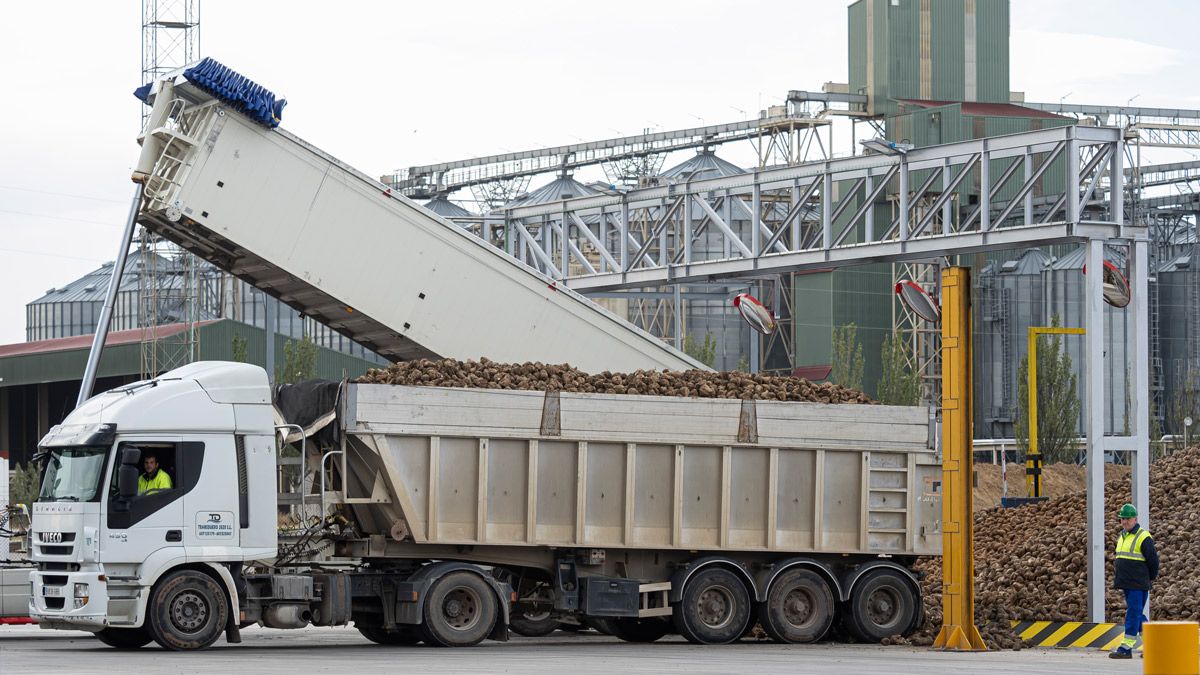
x=244 y=95
x=313 y=405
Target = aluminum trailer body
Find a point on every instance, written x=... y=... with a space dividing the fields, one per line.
x=447 y=515
x=342 y=248
x=480 y=467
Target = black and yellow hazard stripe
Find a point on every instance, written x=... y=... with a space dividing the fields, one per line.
x=1072 y=634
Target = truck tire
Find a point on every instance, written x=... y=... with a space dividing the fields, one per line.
x=882 y=604
x=187 y=610
x=125 y=638
x=714 y=608
x=799 y=607
x=532 y=623
x=460 y=611
x=638 y=630
x=399 y=637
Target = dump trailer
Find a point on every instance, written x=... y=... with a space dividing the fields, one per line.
x=443 y=515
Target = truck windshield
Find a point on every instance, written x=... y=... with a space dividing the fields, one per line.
x=72 y=474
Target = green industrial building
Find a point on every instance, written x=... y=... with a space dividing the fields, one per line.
x=39 y=380
x=934 y=72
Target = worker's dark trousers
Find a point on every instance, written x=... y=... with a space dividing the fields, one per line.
x=1135 y=602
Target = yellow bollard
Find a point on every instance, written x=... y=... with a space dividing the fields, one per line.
x=1171 y=648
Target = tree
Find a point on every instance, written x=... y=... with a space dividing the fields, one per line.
x=847 y=357
x=238 y=349
x=25 y=485
x=898 y=385
x=705 y=352
x=1058 y=401
x=299 y=361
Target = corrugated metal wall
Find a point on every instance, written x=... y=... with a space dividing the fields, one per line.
x=942 y=50
x=1179 y=338
x=992 y=55
x=947 y=51
x=1064 y=289
x=825 y=300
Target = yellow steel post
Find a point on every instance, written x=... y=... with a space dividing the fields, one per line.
x=958 y=554
x=1033 y=458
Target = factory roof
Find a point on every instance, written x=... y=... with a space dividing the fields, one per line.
x=92 y=286
x=705 y=164
x=978 y=109
x=114 y=338
x=446 y=208
x=563 y=187
x=1031 y=261
x=1075 y=260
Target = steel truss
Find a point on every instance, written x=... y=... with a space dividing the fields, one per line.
x=826 y=214
x=422 y=182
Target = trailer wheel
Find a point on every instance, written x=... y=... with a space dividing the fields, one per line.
x=799 y=607
x=125 y=638
x=532 y=623
x=460 y=611
x=187 y=611
x=714 y=608
x=881 y=604
x=399 y=637
x=638 y=630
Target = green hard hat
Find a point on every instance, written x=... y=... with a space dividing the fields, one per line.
x=1127 y=511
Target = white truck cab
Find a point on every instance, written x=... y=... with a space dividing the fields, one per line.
x=102 y=544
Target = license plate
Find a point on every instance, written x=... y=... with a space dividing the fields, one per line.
x=52 y=591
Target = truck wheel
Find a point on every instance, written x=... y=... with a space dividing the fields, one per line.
x=399 y=637
x=714 y=609
x=799 y=607
x=460 y=611
x=639 y=630
x=187 y=611
x=882 y=604
x=125 y=638
x=532 y=623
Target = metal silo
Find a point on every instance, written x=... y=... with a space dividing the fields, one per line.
x=1064 y=297
x=715 y=315
x=1008 y=302
x=1179 y=333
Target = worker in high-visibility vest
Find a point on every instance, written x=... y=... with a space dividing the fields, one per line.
x=155 y=478
x=1137 y=565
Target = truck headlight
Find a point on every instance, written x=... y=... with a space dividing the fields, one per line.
x=81 y=595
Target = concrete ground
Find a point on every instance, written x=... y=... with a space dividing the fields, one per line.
x=28 y=649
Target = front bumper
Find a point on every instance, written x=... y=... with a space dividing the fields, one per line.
x=53 y=602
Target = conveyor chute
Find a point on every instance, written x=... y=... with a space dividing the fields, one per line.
x=344 y=249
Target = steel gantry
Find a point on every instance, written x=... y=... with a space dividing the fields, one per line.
x=946 y=200
x=824 y=214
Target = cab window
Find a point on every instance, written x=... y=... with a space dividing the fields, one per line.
x=166 y=471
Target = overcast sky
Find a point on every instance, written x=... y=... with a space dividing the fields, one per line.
x=384 y=85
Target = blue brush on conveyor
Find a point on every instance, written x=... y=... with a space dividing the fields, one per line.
x=238 y=91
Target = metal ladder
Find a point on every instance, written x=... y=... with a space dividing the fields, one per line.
x=887 y=514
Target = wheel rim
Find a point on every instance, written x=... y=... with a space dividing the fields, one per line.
x=536 y=616
x=715 y=607
x=460 y=608
x=799 y=607
x=189 y=611
x=883 y=606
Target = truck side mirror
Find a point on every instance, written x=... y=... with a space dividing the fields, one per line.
x=127 y=473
